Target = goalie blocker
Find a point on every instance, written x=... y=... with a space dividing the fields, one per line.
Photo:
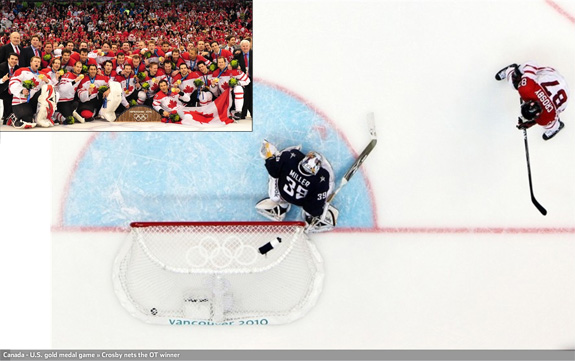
x=304 y=180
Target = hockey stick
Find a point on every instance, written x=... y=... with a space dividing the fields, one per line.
x=360 y=159
x=535 y=203
x=354 y=167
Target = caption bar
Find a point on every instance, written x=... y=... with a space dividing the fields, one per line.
x=286 y=355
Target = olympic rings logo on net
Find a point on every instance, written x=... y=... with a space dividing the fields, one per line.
x=212 y=252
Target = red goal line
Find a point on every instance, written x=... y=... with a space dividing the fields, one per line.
x=382 y=230
x=460 y=230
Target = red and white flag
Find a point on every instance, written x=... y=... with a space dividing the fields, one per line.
x=213 y=113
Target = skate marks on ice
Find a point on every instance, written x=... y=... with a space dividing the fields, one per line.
x=212 y=176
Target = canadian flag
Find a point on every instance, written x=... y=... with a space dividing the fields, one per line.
x=213 y=113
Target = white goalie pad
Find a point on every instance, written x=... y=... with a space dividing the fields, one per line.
x=324 y=224
x=108 y=110
x=219 y=273
x=271 y=210
x=46 y=106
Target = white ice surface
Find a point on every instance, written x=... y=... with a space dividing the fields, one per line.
x=448 y=158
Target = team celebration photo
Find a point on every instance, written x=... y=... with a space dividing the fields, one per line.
x=75 y=65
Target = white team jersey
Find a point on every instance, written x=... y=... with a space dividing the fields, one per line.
x=23 y=75
x=550 y=80
x=68 y=87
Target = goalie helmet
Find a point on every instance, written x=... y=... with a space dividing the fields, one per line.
x=530 y=110
x=310 y=164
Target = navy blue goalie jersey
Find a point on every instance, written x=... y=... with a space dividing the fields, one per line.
x=307 y=191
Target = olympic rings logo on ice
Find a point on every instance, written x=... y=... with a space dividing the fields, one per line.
x=213 y=252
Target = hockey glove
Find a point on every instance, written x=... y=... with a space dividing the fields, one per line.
x=268 y=150
x=525 y=125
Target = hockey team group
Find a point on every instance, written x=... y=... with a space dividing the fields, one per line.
x=65 y=86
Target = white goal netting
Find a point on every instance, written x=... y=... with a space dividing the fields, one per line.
x=219 y=273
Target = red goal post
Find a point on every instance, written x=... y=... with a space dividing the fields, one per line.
x=218 y=273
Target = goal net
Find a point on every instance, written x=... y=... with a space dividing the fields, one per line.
x=218 y=273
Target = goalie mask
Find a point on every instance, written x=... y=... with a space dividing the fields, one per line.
x=310 y=164
x=530 y=110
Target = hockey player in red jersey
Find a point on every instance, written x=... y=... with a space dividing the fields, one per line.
x=304 y=180
x=544 y=94
x=102 y=55
x=192 y=59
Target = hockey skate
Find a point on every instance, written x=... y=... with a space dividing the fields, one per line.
x=236 y=116
x=551 y=133
x=11 y=119
x=502 y=74
x=272 y=210
x=18 y=123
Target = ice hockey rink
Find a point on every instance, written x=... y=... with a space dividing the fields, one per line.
x=439 y=246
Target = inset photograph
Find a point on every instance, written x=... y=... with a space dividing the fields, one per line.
x=126 y=66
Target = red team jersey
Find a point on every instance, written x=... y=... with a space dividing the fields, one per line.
x=546 y=86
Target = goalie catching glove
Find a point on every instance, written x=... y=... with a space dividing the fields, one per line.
x=268 y=150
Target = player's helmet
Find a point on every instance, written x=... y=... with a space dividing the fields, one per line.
x=530 y=110
x=310 y=164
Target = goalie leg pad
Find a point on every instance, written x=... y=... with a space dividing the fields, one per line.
x=274 y=192
x=325 y=223
x=113 y=101
x=272 y=210
x=46 y=106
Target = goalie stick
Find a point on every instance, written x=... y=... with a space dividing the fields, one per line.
x=354 y=167
x=535 y=203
